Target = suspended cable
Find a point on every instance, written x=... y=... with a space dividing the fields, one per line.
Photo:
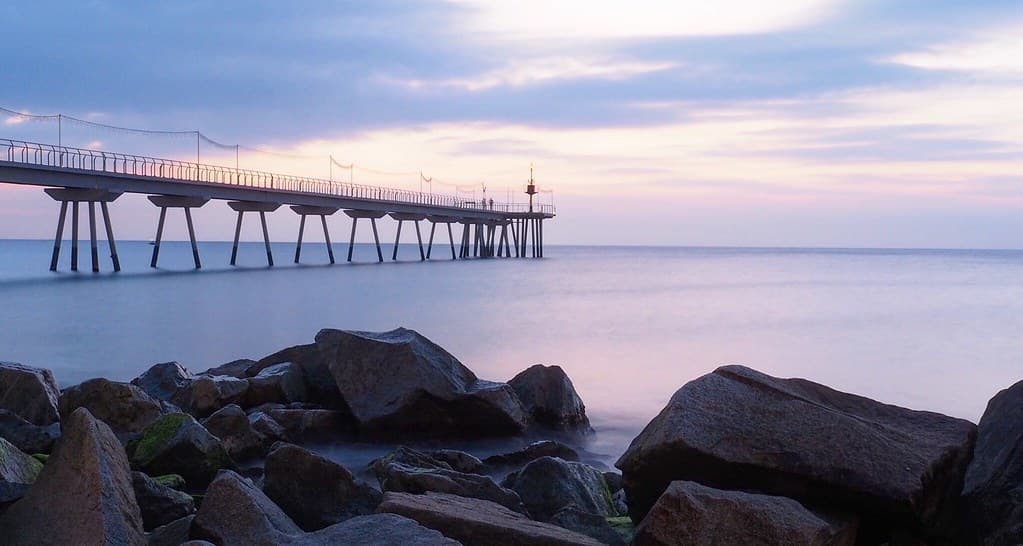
x=26 y=116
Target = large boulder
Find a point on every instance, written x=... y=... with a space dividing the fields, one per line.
x=548 y=484
x=124 y=407
x=17 y=467
x=26 y=436
x=591 y=525
x=737 y=428
x=474 y=521
x=236 y=368
x=993 y=492
x=320 y=385
x=400 y=383
x=82 y=496
x=410 y=471
x=177 y=444
x=314 y=491
x=174 y=533
x=268 y=428
x=235 y=512
x=163 y=381
x=29 y=392
x=690 y=513
x=159 y=504
x=232 y=426
x=204 y=395
x=282 y=383
x=550 y=399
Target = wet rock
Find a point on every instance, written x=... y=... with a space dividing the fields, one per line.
x=320 y=385
x=26 y=436
x=235 y=512
x=474 y=521
x=82 y=496
x=313 y=425
x=204 y=395
x=549 y=484
x=591 y=525
x=124 y=407
x=236 y=368
x=28 y=392
x=550 y=399
x=535 y=450
x=400 y=383
x=163 y=381
x=174 y=533
x=410 y=471
x=314 y=491
x=993 y=492
x=159 y=504
x=17 y=467
x=177 y=444
x=737 y=428
x=282 y=383
x=232 y=426
x=268 y=428
x=689 y=513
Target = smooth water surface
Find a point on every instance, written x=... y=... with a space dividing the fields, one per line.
x=936 y=330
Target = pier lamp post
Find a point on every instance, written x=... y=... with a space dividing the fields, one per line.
x=531 y=188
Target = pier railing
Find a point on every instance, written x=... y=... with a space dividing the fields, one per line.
x=78 y=159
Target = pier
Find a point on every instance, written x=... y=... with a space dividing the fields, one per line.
x=76 y=177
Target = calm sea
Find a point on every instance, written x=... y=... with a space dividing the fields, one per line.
x=927 y=329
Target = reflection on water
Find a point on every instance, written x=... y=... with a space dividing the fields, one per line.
x=935 y=330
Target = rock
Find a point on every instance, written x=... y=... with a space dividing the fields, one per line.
x=30 y=393
x=268 y=428
x=400 y=383
x=591 y=525
x=689 y=513
x=17 y=467
x=535 y=450
x=459 y=461
x=204 y=395
x=313 y=425
x=473 y=521
x=236 y=368
x=320 y=385
x=11 y=493
x=174 y=533
x=278 y=383
x=82 y=496
x=26 y=436
x=993 y=492
x=549 y=484
x=159 y=504
x=314 y=491
x=232 y=426
x=410 y=471
x=163 y=381
x=549 y=398
x=177 y=444
x=737 y=428
x=235 y=512
x=173 y=481
x=125 y=408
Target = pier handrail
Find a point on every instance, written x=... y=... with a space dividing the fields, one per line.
x=80 y=159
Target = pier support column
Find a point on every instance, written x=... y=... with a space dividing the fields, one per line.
x=241 y=207
x=434 y=220
x=77 y=196
x=452 y=240
x=373 y=217
x=323 y=213
x=172 y=201
x=402 y=217
x=515 y=236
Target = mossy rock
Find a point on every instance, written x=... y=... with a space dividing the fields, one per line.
x=624 y=526
x=16 y=466
x=41 y=457
x=177 y=444
x=174 y=481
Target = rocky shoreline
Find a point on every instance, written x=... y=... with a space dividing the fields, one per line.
x=736 y=457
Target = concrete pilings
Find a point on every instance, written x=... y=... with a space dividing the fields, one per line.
x=90 y=197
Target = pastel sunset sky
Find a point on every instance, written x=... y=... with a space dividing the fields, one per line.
x=734 y=122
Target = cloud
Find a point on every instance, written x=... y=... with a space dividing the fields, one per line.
x=541 y=71
x=995 y=50
x=596 y=19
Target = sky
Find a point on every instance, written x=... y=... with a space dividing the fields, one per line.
x=833 y=123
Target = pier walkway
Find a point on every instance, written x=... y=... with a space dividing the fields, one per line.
x=75 y=177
